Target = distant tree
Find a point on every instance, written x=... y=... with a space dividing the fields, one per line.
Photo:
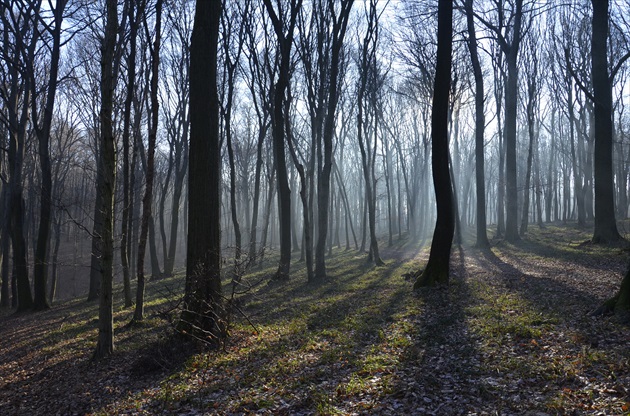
x=437 y=269
x=202 y=315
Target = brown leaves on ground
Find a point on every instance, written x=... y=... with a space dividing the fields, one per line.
x=511 y=335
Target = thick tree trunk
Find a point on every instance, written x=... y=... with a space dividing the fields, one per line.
x=203 y=311
x=511 y=100
x=5 y=249
x=605 y=223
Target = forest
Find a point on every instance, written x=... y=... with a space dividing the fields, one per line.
x=314 y=207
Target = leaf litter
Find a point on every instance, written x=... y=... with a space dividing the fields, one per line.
x=511 y=335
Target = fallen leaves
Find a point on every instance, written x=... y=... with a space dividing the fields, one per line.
x=510 y=336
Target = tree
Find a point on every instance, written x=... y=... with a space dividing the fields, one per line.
x=437 y=269
x=147 y=199
x=480 y=124
x=177 y=60
x=202 y=315
x=508 y=34
x=107 y=182
x=323 y=62
x=619 y=302
x=19 y=41
x=42 y=131
x=285 y=40
x=126 y=209
x=532 y=82
x=605 y=230
x=231 y=63
x=367 y=71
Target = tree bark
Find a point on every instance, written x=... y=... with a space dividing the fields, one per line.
x=202 y=314
x=147 y=199
x=285 y=42
x=126 y=211
x=107 y=183
x=40 y=272
x=605 y=224
x=437 y=269
x=330 y=74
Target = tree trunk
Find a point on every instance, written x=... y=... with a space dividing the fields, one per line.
x=147 y=199
x=437 y=269
x=605 y=223
x=531 y=122
x=126 y=211
x=203 y=311
x=285 y=42
x=55 y=259
x=107 y=160
x=5 y=248
x=40 y=272
x=330 y=75
x=511 y=100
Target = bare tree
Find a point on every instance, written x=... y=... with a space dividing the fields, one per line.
x=437 y=269
x=367 y=65
x=284 y=33
x=107 y=183
x=202 y=315
x=480 y=124
x=147 y=199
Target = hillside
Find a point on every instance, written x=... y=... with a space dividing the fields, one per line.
x=511 y=334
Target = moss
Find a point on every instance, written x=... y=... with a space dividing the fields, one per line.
x=435 y=274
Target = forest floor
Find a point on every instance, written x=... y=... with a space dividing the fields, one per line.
x=511 y=335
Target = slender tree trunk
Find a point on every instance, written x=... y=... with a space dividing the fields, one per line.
x=531 y=124
x=126 y=211
x=55 y=259
x=40 y=272
x=107 y=183
x=437 y=269
x=147 y=199
x=285 y=41
x=254 y=230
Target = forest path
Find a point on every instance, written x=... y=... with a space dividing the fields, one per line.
x=511 y=334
